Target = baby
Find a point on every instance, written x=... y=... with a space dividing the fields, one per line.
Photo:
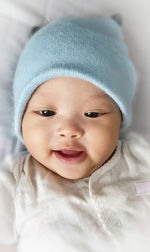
x=80 y=186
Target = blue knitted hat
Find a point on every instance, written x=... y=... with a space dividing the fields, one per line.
x=91 y=49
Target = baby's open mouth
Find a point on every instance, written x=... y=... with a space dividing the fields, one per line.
x=70 y=156
x=69 y=153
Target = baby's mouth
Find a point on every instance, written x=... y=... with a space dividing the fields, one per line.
x=70 y=156
x=69 y=153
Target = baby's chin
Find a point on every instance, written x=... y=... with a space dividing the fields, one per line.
x=75 y=176
x=71 y=177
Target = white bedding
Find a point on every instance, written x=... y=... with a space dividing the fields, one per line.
x=17 y=17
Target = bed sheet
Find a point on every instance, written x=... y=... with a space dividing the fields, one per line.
x=17 y=17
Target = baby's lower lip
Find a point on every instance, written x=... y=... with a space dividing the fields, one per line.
x=71 y=159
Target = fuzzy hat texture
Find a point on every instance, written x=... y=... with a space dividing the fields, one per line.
x=91 y=49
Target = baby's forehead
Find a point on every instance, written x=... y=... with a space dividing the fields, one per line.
x=73 y=87
x=45 y=95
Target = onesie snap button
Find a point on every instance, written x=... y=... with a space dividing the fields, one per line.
x=118 y=223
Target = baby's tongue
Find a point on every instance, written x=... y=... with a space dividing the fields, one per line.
x=70 y=152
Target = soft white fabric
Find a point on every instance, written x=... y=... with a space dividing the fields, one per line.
x=103 y=212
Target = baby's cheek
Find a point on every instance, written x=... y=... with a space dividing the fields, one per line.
x=103 y=141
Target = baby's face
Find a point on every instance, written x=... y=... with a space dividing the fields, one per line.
x=71 y=127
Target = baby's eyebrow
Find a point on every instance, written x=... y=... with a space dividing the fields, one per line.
x=97 y=95
x=102 y=96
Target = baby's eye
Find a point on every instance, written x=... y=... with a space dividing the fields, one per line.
x=93 y=114
x=47 y=113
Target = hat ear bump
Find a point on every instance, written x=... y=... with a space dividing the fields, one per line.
x=118 y=18
x=35 y=29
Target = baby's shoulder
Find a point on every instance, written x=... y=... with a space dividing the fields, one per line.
x=19 y=162
x=10 y=171
x=136 y=151
x=136 y=143
x=13 y=164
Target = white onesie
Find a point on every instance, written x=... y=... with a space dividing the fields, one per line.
x=107 y=211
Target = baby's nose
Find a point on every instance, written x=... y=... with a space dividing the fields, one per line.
x=70 y=132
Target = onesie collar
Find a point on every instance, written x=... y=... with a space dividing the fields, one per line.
x=108 y=165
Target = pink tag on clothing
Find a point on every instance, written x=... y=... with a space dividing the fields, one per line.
x=143 y=187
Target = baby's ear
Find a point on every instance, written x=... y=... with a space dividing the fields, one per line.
x=118 y=18
x=35 y=29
